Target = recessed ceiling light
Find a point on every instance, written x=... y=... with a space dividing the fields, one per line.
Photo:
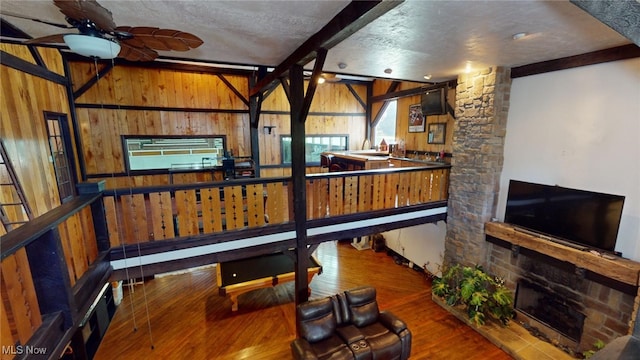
x=387 y=71
x=427 y=77
x=342 y=65
x=519 y=35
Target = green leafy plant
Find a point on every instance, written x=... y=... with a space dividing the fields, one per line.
x=598 y=345
x=482 y=295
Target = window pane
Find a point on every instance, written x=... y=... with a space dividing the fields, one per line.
x=314 y=146
x=386 y=127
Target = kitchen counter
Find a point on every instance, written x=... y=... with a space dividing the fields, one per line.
x=371 y=159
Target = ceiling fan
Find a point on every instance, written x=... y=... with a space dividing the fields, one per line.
x=99 y=37
x=324 y=77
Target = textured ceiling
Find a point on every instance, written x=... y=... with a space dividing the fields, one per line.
x=441 y=38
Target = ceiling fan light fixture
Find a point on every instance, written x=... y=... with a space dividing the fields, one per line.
x=92 y=46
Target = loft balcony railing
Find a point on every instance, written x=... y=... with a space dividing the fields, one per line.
x=55 y=265
x=145 y=214
x=156 y=228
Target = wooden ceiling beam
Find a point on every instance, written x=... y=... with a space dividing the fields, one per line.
x=352 y=18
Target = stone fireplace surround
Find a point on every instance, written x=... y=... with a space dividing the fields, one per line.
x=605 y=291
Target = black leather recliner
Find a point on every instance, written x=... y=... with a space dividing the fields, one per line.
x=318 y=337
x=387 y=335
x=350 y=326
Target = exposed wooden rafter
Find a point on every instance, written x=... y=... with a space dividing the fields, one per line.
x=352 y=18
x=86 y=86
x=356 y=96
x=592 y=58
x=233 y=89
x=17 y=63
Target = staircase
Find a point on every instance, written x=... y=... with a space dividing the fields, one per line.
x=14 y=209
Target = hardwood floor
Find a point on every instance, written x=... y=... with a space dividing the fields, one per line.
x=189 y=320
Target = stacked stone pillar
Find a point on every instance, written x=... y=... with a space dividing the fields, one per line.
x=482 y=104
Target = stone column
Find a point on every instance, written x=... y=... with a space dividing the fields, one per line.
x=482 y=104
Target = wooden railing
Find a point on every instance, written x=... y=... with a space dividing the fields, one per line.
x=146 y=214
x=48 y=266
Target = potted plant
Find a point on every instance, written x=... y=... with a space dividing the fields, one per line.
x=480 y=294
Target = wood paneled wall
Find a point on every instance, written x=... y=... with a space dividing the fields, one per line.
x=415 y=141
x=22 y=125
x=217 y=110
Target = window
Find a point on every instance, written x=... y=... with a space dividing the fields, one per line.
x=61 y=154
x=314 y=146
x=173 y=152
x=386 y=126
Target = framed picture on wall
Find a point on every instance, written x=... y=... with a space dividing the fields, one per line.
x=416 y=119
x=436 y=133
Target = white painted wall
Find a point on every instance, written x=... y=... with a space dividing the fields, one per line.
x=422 y=244
x=579 y=128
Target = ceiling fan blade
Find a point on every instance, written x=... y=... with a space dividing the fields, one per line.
x=145 y=35
x=162 y=39
x=49 y=39
x=130 y=39
x=133 y=53
x=87 y=9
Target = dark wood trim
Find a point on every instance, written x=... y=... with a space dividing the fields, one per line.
x=286 y=88
x=392 y=87
x=369 y=112
x=601 y=56
x=51 y=335
x=168 y=65
x=37 y=57
x=90 y=284
x=74 y=120
x=156 y=247
x=29 y=232
x=208 y=259
x=408 y=92
x=353 y=17
x=321 y=55
x=298 y=169
x=102 y=73
x=370 y=230
x=233 y=88
x=255 y=108
x=357 y=97
x=51 y=276
x=149 y=248
x=67 y=132
x=17 y=63
x=158 y=108
x=314 y=113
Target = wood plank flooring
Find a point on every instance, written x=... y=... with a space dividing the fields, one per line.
x=187 y=319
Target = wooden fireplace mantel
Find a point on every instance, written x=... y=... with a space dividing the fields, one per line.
x=620 y=269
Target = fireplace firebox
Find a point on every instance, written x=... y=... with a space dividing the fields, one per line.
x=549 y=308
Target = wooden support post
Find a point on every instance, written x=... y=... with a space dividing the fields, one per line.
x=298 y=170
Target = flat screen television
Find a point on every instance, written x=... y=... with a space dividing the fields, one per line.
x=581 y=217
x=434 y=102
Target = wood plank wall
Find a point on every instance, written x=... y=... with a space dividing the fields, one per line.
x=415 y=141
x=22 y=126
x=334 y=111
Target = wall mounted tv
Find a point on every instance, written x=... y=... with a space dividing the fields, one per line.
x=582 y=217
x=434 y=102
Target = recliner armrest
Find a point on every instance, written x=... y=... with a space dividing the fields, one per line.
x=302 y=350
x=392 y=322
x=350 y=334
